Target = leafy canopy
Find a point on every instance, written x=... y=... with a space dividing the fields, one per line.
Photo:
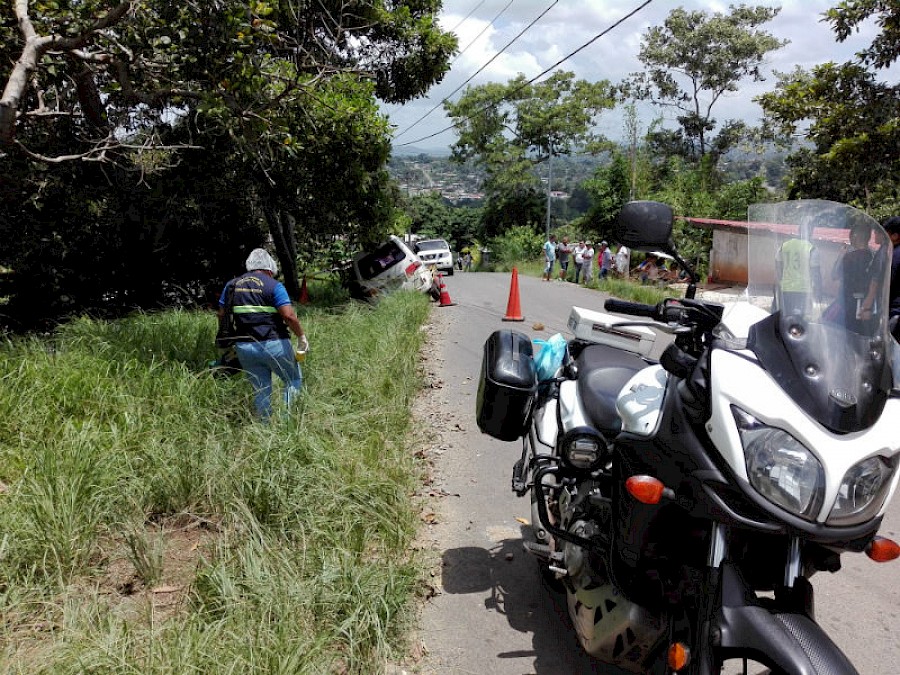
x=848 y=15
x=695 y=58
x=508 y=130
x=117 y=71
x=851 y=119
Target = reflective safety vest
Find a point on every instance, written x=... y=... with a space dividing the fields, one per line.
x=795 y=263
x=255 y=313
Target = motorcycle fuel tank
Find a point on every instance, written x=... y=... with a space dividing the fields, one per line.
x=640 y=403
x=571 y=413
x=546 y=426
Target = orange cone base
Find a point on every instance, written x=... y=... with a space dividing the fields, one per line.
x=445 y=298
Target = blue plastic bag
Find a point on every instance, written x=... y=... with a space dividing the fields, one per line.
x=551 y=356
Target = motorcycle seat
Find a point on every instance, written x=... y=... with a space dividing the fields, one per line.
x=602 y=372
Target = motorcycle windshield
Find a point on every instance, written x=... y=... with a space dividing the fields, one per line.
x=822 y=271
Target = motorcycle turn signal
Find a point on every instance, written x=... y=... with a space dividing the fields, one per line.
x=882 y=549
x=678 y=656
x=648 y=490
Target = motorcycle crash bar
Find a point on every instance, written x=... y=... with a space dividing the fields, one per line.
x=882 y=549
x=648 y=490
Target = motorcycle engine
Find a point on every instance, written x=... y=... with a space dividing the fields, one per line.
x=610 y=627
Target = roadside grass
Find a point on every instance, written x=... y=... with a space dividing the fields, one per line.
x=149 y=525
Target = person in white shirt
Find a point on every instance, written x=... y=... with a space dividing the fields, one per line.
x=563 y=254
x=578 y=253
x=623 y=261
x=587 y=264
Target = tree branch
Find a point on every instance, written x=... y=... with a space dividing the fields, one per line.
x=35 y=48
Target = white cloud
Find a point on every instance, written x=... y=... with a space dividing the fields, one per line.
x=571 y=23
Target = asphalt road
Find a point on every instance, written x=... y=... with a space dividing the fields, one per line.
x=491 y=613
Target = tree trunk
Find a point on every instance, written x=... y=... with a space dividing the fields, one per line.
x=283 y=237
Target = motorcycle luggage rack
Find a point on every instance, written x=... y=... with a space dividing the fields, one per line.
x=520 y=469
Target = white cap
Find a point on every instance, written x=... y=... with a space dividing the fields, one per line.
x=259 y=259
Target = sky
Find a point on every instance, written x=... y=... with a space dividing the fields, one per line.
x=572 y=23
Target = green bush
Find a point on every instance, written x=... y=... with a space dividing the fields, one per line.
x=516 y=244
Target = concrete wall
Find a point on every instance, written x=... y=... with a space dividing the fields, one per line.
x=728 y=259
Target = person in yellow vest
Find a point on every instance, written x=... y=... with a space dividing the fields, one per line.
x=264 y=317
x=799 y=273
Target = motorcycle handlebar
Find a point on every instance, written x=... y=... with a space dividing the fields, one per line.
x=664 y=312
x=632 y=308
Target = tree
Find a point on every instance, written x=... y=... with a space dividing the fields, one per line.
x=850 y=117
x=201 y=126
x=610 y=189
x=428 y=214
x=117 y=71
x=851 y=120
x=508 y=130
x=885 y=48
x=691 y=62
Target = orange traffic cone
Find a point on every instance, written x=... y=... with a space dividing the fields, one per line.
x=304 y=293
x=445 y=296
x=513 y=309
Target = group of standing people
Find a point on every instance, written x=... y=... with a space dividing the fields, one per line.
x=800 y=281
x=581 y=257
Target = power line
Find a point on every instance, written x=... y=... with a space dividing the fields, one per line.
x=489 y=61
x=536 y=77
x=483 y=30
x=463 y=20
x=446 y=98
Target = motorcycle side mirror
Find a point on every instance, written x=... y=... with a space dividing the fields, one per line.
x=646 y=226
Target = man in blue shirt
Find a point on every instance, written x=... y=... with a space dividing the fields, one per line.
x=263 y=315
x=549 y=257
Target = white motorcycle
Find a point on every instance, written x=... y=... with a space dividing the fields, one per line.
x=684 y=504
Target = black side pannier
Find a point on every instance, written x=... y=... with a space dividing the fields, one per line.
x=508 y=385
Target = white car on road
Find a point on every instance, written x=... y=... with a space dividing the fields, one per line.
x=436 y=253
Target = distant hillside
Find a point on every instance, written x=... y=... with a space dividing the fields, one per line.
x=412 y=151
x=417 y=170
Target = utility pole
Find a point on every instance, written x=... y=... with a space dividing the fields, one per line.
x=549 y=188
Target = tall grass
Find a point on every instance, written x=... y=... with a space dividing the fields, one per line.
x=110 y=432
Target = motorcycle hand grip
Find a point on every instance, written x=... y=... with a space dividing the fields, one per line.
x=632 y=308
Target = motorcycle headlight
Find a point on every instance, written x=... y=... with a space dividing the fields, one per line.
x=862 y=492
x=584 y=448
x=780 y=467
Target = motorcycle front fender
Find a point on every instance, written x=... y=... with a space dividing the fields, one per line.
x=786 y=639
